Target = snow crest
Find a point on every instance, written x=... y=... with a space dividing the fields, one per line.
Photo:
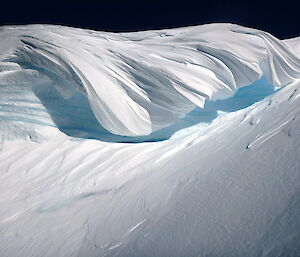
x=135 y=83
x=226 y=183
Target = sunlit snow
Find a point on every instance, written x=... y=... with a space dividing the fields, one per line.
x=177 y=142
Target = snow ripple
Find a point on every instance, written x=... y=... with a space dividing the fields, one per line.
x=138 y=83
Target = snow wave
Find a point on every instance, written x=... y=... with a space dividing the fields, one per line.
x=137 y=83
x=229 y=187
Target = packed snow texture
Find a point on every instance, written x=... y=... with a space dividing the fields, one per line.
x=178 y=142
x=137 y=83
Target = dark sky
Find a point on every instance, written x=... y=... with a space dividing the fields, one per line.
x=281 y=18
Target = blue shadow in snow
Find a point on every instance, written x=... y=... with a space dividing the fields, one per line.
x=74 y=117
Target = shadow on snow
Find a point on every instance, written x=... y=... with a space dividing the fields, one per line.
x=74 y=117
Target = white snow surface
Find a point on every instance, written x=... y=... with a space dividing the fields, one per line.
x=221 y=177
x=137 y=83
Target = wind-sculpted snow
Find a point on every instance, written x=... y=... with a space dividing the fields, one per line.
x=135 y=83
x=225 y=183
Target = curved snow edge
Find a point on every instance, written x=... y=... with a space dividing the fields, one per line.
x=139 y=82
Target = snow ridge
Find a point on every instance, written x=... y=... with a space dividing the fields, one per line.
x=136 y=83
x=228 y=184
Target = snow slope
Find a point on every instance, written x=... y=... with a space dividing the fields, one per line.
x=224 y=180
x=137 y=83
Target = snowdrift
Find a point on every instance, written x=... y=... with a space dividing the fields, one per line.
x=225 y=183
x=137 y=83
